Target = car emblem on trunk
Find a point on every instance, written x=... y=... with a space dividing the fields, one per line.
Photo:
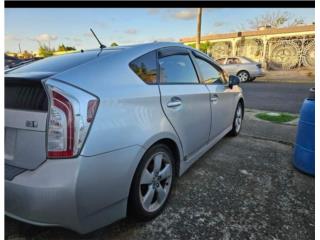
x=33 y=124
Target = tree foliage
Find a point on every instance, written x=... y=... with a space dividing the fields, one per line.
x=26 y=55
x=204 y=46
x=275 y=20
x=45 y=51
x=62 y=47
x=114 y=44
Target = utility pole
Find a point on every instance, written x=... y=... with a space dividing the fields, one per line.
x=19 y=48
x=199 y=28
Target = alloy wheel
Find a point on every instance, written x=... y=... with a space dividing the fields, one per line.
x=155 y=182
x=238 y=118
x=243 y=76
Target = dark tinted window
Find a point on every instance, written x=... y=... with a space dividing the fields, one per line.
x=209 y=73
x=58 y=63
x=146 y=67
x=177 y=69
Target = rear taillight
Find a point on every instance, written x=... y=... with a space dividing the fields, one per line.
x=71 y=112
x=259 y=65
x=61 y=127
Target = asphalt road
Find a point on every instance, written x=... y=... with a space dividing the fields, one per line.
x=279 y=97
x=243 y=188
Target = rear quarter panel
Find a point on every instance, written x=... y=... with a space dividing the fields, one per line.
x=129 y=111
x=231 y=69
x=254 y=70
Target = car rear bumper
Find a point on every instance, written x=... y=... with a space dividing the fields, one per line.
x=44 y=195
x=81 y=194
x=258 y=73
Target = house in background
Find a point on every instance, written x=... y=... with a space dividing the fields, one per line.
x=275 y=48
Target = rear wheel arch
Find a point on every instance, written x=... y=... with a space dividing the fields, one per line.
x=168 y=143
x=243 y=71
x=172 y=145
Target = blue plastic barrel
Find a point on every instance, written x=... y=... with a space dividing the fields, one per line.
x=304 y=147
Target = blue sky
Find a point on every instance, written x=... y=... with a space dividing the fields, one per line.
x=124 y=26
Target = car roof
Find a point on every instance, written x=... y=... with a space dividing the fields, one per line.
x=58 y=64
x=143 y=46
x=86 y=55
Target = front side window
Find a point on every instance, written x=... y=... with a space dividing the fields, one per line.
x=177 y=69
x=209 y=73
x=146 y=67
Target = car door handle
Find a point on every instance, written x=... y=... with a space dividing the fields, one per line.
x=175 y=102
x=214 y=98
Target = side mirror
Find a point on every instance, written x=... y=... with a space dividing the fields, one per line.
x=233 y=80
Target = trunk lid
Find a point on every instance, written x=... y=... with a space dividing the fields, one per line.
x=26 y=110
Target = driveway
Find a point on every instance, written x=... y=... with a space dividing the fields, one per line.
x=279 y=97
x=243 y=188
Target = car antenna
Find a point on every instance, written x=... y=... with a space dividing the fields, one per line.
x=102 y=46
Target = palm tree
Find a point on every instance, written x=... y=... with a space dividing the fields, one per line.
x=199 y=28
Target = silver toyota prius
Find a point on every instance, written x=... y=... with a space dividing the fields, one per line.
x=93 y=136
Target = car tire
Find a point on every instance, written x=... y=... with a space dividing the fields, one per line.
x=237 y=120
x=244 y=76
x=149 y=194
x=252 y=79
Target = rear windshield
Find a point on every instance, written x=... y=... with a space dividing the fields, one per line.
x=247 y=60
x=58 y=63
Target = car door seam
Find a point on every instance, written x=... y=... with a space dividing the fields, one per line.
x=169 y=120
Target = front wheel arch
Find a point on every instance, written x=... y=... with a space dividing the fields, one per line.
x=234 y=131
x=242 y=106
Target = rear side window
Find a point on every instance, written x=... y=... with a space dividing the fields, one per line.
x=146 y=67
x=177 y=69
x=209 y=73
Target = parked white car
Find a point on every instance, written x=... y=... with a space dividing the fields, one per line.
x=245 y=68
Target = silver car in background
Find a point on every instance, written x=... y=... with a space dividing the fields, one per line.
x=93 y=136
x=243 y=67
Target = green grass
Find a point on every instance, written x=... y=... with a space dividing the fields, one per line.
x=282 y=118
